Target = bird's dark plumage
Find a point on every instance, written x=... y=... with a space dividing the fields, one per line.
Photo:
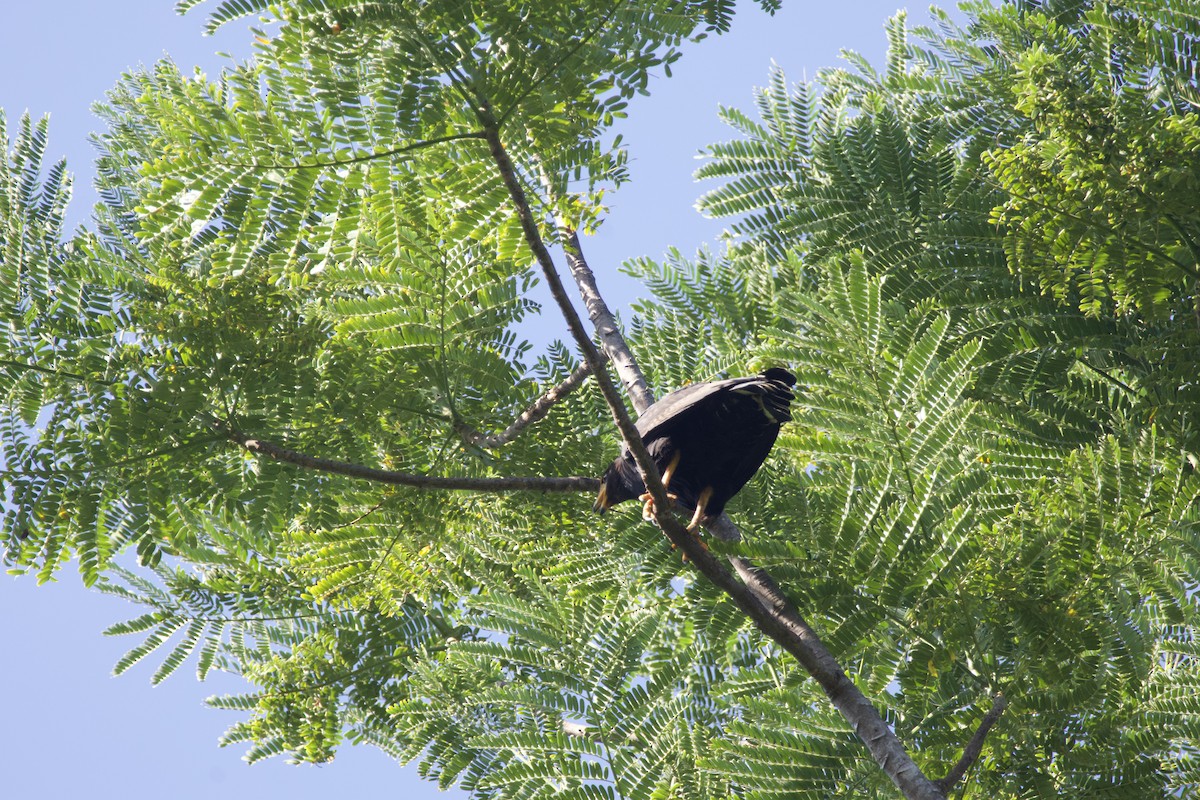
x=708 y=440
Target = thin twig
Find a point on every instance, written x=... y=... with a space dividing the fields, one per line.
x=1193 y=271
x=62 y=373
x=975 y=746
x=580 y=42
x=338 y=162
x=537 y=411
x=503 y=484
x=1110 y=378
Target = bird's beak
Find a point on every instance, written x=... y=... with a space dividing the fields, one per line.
x=601 y=504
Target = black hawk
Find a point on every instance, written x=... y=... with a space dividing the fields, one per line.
x=708 y=440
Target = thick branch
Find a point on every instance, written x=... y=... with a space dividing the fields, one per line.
x=975 y=746
x=538 y=410
x=274 y=451
x=603 y=321
x=785 y=625
x=611 y=338
x=606 y=327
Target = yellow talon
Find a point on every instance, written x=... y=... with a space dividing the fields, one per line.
x=648 y=509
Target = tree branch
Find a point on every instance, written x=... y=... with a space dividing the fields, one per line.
x=603 y=320
x=537 y=411
x=975 y=746
x=277 y=453
x=605 y=325
x=622 y=356
x=1193 y=271
x=84 y=379
x=760 y=597
x=533 y=238
x=787 y=629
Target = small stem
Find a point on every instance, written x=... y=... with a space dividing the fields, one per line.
x=338 y=162
x=537 y=411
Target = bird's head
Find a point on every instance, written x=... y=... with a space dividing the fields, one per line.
x=612 y=490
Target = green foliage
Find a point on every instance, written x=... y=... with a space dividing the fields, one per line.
x=1035 y=413
x=1098 y=187
x=989 y=485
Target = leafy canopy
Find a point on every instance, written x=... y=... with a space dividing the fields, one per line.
x=980 y=260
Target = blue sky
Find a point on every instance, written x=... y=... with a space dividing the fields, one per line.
x=67 y=728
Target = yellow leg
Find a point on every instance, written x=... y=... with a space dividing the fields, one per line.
x=647 y=500
x=701 y=504
x=670 y=470
x=694 y=525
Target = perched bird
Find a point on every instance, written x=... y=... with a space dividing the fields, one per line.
x=708 y=440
